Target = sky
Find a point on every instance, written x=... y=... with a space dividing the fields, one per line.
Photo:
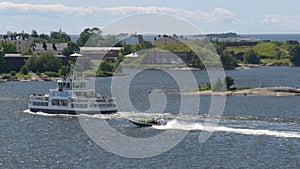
x=171 y=16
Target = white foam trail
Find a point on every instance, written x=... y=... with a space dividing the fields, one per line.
x=48 y=114
x=175 y=125
x=101 y=116
x=198 y=126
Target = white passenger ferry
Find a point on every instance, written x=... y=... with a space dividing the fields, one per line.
x=73 y=96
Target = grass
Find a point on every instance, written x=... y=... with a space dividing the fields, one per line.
x=238 y=49
x=284 y=61
x=90 y=72
x=25 y=77
x=267 y=49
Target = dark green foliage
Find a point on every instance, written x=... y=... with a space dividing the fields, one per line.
x=8 y=47
x=251 y=57
x=27 y=52
x=127 y=49
x=207 y=86
x=24 y=70
x=222 y=35
x=220 y=47
x=110 y=40
x=219 y=86
x=44 y=62
x=87 y=34
x=13 y=73
x=228 y=59
x=105 y=67
x=51 y=74
x=196 y=62
x=44 y=36
x=229 y=82
x=63 y=71
x=73 y=46
x=67 y=51
x=60 y=36
x=294 y=52
x=34 y=34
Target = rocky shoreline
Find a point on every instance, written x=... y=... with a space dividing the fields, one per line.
x=5 y=78
x=264 y=91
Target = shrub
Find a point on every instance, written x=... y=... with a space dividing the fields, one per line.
x=51 y=74
x=207 y=86
x=105 y=67
x=63 y=71
x=219 y=86
x=13 y=73
x=229 y=82
x=24 y=70
x=250 y=57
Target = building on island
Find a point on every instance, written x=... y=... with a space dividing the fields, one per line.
x=100 y=53
x=166 y=40
x=55 y=48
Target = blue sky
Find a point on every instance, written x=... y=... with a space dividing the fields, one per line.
x=255 y=16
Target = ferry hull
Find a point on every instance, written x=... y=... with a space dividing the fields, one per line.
x=72 y=112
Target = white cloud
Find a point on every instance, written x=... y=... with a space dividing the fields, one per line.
x=218 y=15
x=221 y=15
x=270 y=19
x=287 y=21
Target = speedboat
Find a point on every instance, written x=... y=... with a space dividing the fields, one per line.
x=143 y=122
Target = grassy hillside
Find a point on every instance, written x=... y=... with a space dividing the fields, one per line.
x=266 y=49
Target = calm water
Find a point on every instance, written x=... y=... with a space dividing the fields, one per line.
x=255 y=132
x=273 y=37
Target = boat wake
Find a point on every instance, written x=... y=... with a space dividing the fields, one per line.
x=118 y=115
x=175 y=125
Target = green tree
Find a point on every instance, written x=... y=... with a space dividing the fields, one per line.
x=127 y=49
x=44 y=36
x=24 y=70
x=13 y=73
x=105 y=67
x=196 y=62
x=220 y=47
x=63 y=71
x=250 y=57
x=34 y=34
x=87 y=34
x=8 y=47
x=60 y=36
x=110 y=40
x=229 y=82
x=67 y=51
x=294 y=52
x=228 y=59
x=218 y=86
x=44 y=62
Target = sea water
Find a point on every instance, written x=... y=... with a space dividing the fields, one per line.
x=254 y=132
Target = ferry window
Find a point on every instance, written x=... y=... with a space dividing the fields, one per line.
x=34 y=103
x=72 y=105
